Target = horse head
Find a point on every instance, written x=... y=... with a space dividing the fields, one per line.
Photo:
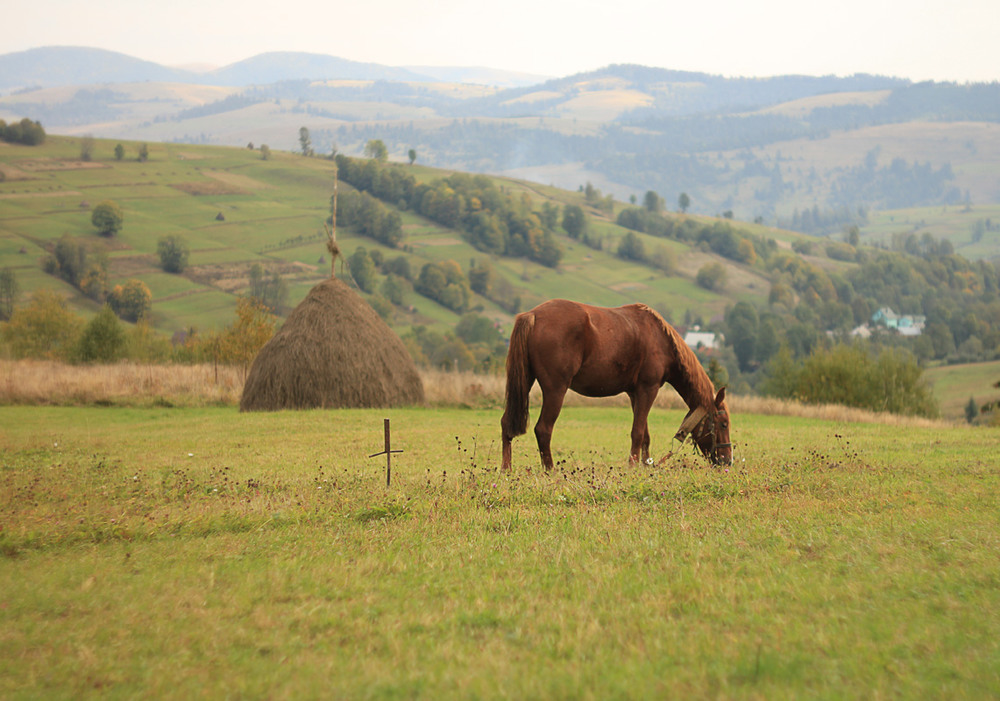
x=709 y=427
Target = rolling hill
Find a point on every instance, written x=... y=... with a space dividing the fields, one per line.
x=816 y=154
x=236 y=210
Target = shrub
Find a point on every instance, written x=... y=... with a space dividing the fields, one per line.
x=108 y=218
x=131 y=301
x=712 y=276
x=102 y=341
x=852 y=375
x=44 y=328
x=173 y=252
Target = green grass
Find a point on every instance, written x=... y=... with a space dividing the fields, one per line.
x=172 y=553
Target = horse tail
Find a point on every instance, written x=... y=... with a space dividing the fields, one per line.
x=519 y=379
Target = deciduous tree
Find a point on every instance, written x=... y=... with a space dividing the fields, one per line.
x=574 y=221
x=173 y=252
x=376 y=149
x=10 y=290
x=102 y=340
x=712 y=276
x=44 y=328
x=131 y=300
x=652 y=202
x=108 y=218
x=87 y=144
x=362 y=269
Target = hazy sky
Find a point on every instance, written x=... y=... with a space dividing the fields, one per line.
x=916 y=39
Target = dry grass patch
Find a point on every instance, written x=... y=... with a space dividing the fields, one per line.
x=200 y=189
x=244 y=182
x=38 y=382
x=42 y=382
x=53 y=383
x=46 y=165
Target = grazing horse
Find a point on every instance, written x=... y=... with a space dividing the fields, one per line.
x=600 y=352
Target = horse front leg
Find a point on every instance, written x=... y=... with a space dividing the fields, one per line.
x=642 y=402
x=552 y=402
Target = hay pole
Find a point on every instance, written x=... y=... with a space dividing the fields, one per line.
x=331 y=231
x=388 y=455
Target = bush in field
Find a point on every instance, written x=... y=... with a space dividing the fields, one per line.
x=446 y=284
x=44 y=328
x=394 y=288
x=103 y=339
x=131 y=301
x=108 y=218
x=68 y=260
x=71 y=261
x=144 y=345
x=853 y=375
x=712 y=276
x=173 y=252
x=362 y=269
x=10 y=290
x=254 y=326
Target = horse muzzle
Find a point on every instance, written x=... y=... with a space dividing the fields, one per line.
x=722 y=454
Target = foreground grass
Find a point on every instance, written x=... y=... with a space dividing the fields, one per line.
x=181 y=552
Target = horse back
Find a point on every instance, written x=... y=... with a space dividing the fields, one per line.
x=597 y=351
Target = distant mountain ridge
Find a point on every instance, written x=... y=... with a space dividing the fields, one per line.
x=55 y=66
x=72 y=65
x=763 y=149
x=274 y=67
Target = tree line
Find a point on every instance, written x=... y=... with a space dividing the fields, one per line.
x=27 y=132
x=491 y=220
x=45 y=328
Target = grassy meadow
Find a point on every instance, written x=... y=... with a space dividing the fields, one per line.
x=196 y=551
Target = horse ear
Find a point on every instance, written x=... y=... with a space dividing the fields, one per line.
x=692 y=420
x=720 y=397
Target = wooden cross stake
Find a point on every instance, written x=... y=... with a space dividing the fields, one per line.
x=388 y=455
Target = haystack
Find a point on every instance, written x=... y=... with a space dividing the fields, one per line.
x=332 y=351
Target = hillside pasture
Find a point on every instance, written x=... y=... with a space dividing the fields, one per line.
x=954 y=385
x=956 y=223
x=177 y=552
x=273 y=213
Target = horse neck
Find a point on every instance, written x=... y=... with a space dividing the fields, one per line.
x=686 y=375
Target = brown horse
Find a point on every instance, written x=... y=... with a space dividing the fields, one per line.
x=600 y=352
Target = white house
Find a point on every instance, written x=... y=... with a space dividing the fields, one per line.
x=702 y=339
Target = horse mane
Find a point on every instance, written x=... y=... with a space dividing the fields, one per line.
x=685 y=373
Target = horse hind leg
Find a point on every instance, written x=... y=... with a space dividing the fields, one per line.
x=552 y=402
x=506 y=440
